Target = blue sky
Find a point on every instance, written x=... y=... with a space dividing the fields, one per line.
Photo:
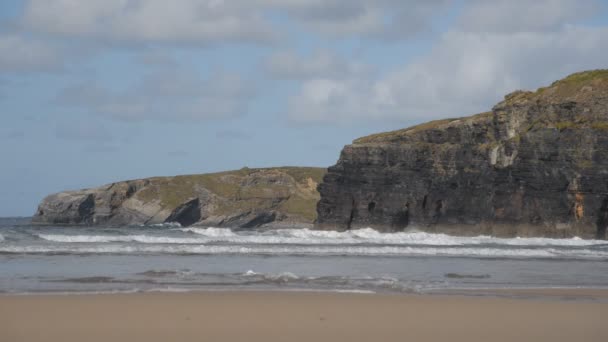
x=98 y=91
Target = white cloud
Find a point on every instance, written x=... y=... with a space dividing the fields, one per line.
x=83 y=130
x=167 y=95
x=14 y=134
x=494 y=48
x=511 y=16
x=202 y=22
x=22 y=54
x=180 y=21
x=465 y=73
x=395 y=19
x=156 y=58
x=52 y=33
x=233 y=134
x=322 y=63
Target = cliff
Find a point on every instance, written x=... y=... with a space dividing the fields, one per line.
x=244 y=198
x=536 y=165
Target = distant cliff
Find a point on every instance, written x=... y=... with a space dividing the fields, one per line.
x=244 y=198
x=536 y=165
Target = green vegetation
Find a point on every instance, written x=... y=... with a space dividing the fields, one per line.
x=540 y=90
x=518 y=95
x=291 y=189
x=395 y=136
x=300 y=206
x=578 y=85
x=566 y=87
x=173 y=191
x=301 y=174
x=562 y=125
x=582 y=77
x=580 y=123
x=561 y=89
x=585 y=164
x=600 y=126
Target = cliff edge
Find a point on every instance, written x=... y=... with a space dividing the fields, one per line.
x=535 y=165
x=244 y=198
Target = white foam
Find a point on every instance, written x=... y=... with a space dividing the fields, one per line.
x=371 y=236
x=365 y=236
x=282 y=277
x=169 y=289
x=118 y=238
x=210 y=232
x=329 y=250
x=313 y=242
x=351 y=291
x=165 y=225
x=279 y=277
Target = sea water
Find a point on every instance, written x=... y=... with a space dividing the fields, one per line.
x=171 y=258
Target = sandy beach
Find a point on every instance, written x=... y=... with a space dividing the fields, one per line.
x=573 y=315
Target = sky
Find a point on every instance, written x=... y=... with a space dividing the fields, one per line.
x=97 y=91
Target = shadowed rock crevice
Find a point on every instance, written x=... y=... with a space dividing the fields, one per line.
x=353 y=214
x=186 y=214
x=86 y=209
x=260 y=219
x=402 y=219
x=602 y=219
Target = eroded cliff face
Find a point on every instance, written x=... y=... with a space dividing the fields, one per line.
x=245 y=198
x=536 y=165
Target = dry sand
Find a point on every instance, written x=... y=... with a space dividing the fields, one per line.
x=286 y=316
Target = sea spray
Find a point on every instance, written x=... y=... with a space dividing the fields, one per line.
x=294 y=250
x=199 y=258
x=365 y=236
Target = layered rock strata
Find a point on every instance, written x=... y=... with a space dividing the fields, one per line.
x=535 y=165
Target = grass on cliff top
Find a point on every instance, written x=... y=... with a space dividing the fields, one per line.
x=573 y=83
x=583 y=77
x=300 y=174
x=568 y=86
x=564 y=88
x=174 y=191
x=396 y=135
x=393 y=136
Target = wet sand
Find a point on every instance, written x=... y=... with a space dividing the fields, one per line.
x=565 y=315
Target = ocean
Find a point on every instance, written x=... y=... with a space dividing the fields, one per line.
x=54 y=259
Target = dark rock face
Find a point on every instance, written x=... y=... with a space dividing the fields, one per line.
x=536 y=165
x=245 y=198
x=187 y=213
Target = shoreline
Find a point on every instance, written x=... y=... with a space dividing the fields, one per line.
x=598 y=292
x=301 y=316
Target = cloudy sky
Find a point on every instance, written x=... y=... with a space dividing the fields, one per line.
x=103 y=90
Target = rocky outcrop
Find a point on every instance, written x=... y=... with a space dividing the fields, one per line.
x=536 y=165
x=245 y=198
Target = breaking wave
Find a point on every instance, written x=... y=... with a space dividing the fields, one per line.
x=327 y=250
x=371 y=236
x=164 y=225
x=365 y=236
x=210 y=232
x=118 y=238
x=361 y=242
